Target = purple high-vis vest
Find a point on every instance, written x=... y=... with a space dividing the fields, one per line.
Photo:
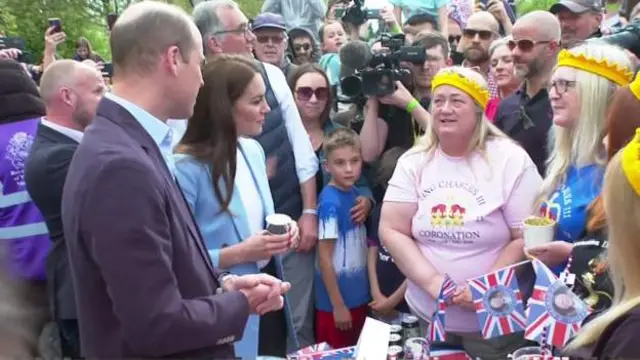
x=22 y=226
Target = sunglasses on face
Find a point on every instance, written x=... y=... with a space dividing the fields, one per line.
x=525 y=45
x=305 y=93
x=454 y=39
x=304 y=47
x=484 y=34
x=265 y=39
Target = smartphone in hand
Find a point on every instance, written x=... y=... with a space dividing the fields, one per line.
x=107 y=70
x=56 y=24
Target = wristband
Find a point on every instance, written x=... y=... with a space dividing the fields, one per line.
x=221 y=279
x=412 y=105
x=310 y=211
x=396 y=29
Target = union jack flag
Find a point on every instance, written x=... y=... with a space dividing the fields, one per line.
x=498 y=303
x=337 y=354
x=436 y=329
x=555 y=307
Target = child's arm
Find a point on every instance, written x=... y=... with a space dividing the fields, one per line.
x=374 y=286
x=398 y=295
x=341 y=314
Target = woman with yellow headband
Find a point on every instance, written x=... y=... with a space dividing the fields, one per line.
x=455 y=205
x=614 y=333
x=580 y=91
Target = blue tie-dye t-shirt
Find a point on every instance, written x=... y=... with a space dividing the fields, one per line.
x=570 y=203
x=350 y=254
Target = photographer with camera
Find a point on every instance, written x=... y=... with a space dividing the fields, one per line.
x=383 y=85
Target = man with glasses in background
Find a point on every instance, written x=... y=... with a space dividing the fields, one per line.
x=526 y=114
x=482 y=29
x=271 y=41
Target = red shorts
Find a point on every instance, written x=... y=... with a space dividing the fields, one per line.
x=326 y=330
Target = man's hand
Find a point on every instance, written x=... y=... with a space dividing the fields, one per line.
x=12 y=54
x=496 y=8
x=264 y=292
x=400 y=98
x=361 y=209
x=308 y=224
x=53 y=39
x=387 y=15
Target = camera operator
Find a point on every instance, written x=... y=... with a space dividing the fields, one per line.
x=579 y=20
x=437 y=58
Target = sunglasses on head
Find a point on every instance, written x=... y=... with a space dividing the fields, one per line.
x=484 y=34
x=264 y=39
x=524 y=45
x=305 y=93
x=304 y=47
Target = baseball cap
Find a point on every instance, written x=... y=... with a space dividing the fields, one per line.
x=268 y=20
x=577 y=6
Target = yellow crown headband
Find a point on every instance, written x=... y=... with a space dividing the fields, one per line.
x=472 y=88
x=631 y=162
x=620 y=75
x=635 y=87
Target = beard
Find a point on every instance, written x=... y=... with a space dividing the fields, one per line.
x=531 y=69
x=476 y=55
x=81 y=116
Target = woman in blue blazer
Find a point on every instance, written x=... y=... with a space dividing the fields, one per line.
x=223 y=175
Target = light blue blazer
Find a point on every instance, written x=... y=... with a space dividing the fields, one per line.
x=228 y=228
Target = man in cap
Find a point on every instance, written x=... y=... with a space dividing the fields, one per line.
x=271 y=41
x=579 y=20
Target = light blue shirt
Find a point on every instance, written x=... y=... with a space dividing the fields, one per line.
x=160 y=132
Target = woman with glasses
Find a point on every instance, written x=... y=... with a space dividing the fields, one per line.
x=580 y=91
x=222 y=173
x=312 y=93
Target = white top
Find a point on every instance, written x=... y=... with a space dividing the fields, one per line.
x=305 y=157
x=250 y=196
x=68 y=132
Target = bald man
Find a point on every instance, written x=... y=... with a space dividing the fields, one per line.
x=482 y=29
x=526 y=114
x=145 y=285
x=71 y=91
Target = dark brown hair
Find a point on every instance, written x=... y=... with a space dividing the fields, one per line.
x=621 y=126
x=431 y=39
x=312 y=68
x=211 y=135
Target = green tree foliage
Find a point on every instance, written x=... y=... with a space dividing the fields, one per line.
x=527 y=6
x=29 y=18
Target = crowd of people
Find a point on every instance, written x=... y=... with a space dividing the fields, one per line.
x=135 y=206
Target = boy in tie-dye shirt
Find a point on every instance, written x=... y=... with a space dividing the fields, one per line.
x=341 y=286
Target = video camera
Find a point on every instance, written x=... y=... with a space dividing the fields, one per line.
x=356 y=14
x=376 y=74
x=627 y=37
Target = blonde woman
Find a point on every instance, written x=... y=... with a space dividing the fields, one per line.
x=614 y=333
x=455 y=205
x=580 y=90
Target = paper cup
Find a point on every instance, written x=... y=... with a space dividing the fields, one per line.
x=536 y=235
x=278 y=224
x=528 y=353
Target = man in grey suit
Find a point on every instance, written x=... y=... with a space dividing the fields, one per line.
x=145 y=286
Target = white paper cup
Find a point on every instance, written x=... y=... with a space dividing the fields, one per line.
x=536 y=235
x=278 y=224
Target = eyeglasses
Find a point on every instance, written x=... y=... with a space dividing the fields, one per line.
x=265 y=39
x=454 y=39
x=561 y=86
x=525 y=45
x=243 y=29
x=484 y=34
x=305 y=93
x=304 y=47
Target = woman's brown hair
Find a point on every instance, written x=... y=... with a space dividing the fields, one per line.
x=211 y=135
x=621 y=126
x=311 y=68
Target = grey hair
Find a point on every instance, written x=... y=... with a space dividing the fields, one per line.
x=205 y=15
x=499 y=42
